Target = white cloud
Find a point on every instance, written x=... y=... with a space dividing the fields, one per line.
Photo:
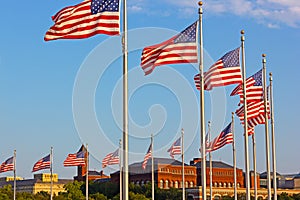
x=270 y=12
x=135 y=8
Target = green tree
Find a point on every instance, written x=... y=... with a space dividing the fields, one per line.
x=98 y=196
x=6 y=191
x=133 y=196
x=73 y=191
x=284 y=196
x=296 y=196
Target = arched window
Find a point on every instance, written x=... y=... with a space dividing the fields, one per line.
x=176 y=184
x=171 y=183
x=191 y=184
x=224 y=185
x=161 y=184
x=186 y=184
x=220 y=184
x=167 y=184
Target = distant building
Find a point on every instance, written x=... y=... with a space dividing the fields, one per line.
x=93 y=175
x=286 y=181
x=40 y=182
x=167 y=173
x=222 y=174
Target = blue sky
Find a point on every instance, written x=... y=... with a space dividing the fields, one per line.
x=44 y=83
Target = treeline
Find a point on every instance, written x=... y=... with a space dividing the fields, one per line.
x=97 y=191
x=110 y=191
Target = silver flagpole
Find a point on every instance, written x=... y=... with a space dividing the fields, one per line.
x=202 y=120
x=273 y=138
x=51 y=173
x=266 y=128
x=210 y=163
x=245 y=118
x=120 y=166
x=152 y=166
x=87 y=174
x=254 y=166
x=15 y=184
x=234 y=156
x=125 y=104
x=182 y=159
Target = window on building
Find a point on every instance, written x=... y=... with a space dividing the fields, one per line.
x=161 y=184
x=224 y=185
x=186 y=184
x=191 y=184
x=176 y=184
x=238 y=185
x=167 y=184
x=216 y=184
x=229 y=184
x=220 y=184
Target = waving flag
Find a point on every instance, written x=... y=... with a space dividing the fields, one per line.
x=147 y=157
x=181 y=48
x=175 y=149
x=111 y=159
x=86 y=19
x=254 y=109
x=43 y=163
x=225 y=71
x=254 y=88
x=75 y=159
x=225 y=137
x=7 y=165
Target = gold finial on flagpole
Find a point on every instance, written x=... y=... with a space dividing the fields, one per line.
x=264 y=58
x=242 y=37
x=200 y=3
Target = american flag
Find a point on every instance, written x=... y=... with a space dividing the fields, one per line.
x=43 y=163
x=7 y=165
x=181 y=48
x=225 y=137
x=259 y=119
x=75 y=159
x=254 y=88
x=86 y=19
x=225 y=71
x=111 y=159
x=250 y=131
x=175 y=149
x=254 y=109
x=147 y=157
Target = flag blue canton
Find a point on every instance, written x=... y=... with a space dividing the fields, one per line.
x=46 y=159
x=9 y=161
x=227 y=130
x=177 y=142
x=116 y=153
x=232 y=58
x=187 y=35
x=80 y=154
x=98 y=6
x=258 y=78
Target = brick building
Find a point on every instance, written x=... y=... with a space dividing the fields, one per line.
x=167 y=173
x=222 y=174
x=93 y=175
